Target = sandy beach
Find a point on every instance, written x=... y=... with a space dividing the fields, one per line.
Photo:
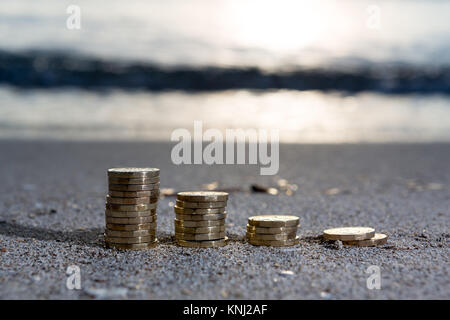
x=52 y=216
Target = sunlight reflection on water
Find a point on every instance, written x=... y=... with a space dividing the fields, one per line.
x=301 y=117
x=262 y=33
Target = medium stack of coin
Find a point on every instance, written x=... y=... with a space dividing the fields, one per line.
x=200 y=219
x=356 y=236
x=131 y=208
x=272 y=230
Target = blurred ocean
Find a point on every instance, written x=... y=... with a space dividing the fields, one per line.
x=320 y=71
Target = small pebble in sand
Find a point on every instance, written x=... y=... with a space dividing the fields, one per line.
x=333 y=191
x=287 y=273
x=338 y=245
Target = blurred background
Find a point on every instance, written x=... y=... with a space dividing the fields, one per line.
x=321 y=71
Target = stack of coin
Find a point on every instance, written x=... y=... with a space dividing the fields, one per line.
x=272 y=230
x=200 y=219
x=356 y=236
x=131 y=208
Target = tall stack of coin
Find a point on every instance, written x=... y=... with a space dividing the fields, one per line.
x=272 y=230
x=356 y=236
x=131 y=208
x=200 y=219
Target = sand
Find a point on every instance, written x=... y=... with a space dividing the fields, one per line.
x=52 y=216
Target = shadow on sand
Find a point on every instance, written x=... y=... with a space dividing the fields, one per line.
x=85 y=237
x=88 y=237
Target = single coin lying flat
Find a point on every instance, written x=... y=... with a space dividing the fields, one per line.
x=134 y=201
x=129 y=214
x=133 y=187
x=203 y=244
x=262 y=230
x=197 y=224
x=349 y=233
x=200 y=217
x=134 y=194
x=132 y=246
x=274 y=243
x=131 y=227
x=200 y=230
x=181 y=210
x=377 y=239
x=273 y=221
x=200 y=237
x=130 y=234
x=202 y=196
x=137 y=181
x=280 y=236
x=131 y=207
x=138 y=239
x=201 y=205
x=133 y=172
x=137 y=220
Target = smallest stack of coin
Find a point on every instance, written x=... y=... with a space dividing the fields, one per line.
x=272 y=230
x=131 y=208
x=356 y=236
x=200 y=219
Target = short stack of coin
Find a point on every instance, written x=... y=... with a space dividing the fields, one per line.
x=356 y=236
x=200 y=219
x=272 y=230
x=131 y=208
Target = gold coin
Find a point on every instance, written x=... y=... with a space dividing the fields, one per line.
x=129 y=214
x=262 y=230
x=274 y=243
x=202 y=244
x=133 y=187
x=202 y=196
x=199 y=230
x=131 y=227
x=198 y=205
x=133 y=180
x=134 y=194
x=131 y=207
x=133 y=246
x=349 y=233
x=129 y=240
x=197 y=224
x=280 y=236
x=376 y=240
x=133 y=172
x=198 y=211
x=130 y=234
x=273 y=221
x=115 y=200
x=199 y=237
x=137 y=220
x=200 y=217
